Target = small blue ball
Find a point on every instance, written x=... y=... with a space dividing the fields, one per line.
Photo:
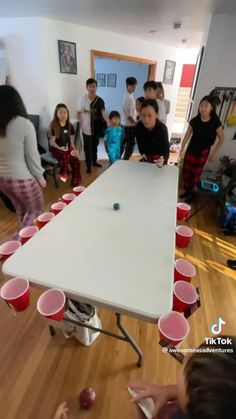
x=116 y=206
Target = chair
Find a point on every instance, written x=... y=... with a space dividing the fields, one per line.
x=49 y=163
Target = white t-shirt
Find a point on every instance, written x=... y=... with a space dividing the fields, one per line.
x=4 y=70
x=83 y=106
x=162 y=111
x=128 y=109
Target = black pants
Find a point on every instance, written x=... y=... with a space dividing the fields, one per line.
x=128 y=142
x=90 y=148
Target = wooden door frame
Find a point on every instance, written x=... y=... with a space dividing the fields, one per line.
x=152 y=65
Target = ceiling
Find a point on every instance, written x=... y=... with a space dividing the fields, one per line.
x=131 y=17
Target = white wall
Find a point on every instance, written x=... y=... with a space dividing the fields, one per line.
x=219 y=68
x=33 y=56
x=28 y=72
x=113 y=97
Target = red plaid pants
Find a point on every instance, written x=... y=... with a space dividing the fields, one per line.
x=192 y=169
x=65 y=158
x=26 y=197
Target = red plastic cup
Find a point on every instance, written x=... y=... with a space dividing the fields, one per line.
x=44 y=218
x=16 y=294
x=183 y=236
x=184 y=270
x=78 y=190
x=27 y=232
x=183 y=211
x=8 y=248
x=185 y=295
x=51 y=304
x=57 y=207
x=68 y=198
x=173 y=327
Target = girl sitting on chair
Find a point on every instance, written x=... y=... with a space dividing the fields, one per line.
x=62 y=136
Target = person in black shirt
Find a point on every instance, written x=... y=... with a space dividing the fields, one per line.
x=152 y=135
x=63 y=149
x=93 y=118
x=203 y=139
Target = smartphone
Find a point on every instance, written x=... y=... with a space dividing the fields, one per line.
x=147 y=405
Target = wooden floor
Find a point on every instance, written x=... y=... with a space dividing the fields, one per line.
x=38 y=372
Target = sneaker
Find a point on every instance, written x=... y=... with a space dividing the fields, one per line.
x=63 y=178
x=190 y=199
x=231 y=264
x=96 y=164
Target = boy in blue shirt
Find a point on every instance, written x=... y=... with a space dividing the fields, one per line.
x=113 y=137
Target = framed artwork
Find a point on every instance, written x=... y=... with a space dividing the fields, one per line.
x=67 y=57
x=169 y=72
x=101 y=79
x=111 y=80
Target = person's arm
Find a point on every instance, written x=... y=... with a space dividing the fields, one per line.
x=32 y=155
x=140 y=142
x=80 y=108
x=166 y=146
x=72 y=141
x=105 y=116
x=130 y=111
x=72 y=136
x=160 y=395
x=217 y=144
x=185 y=141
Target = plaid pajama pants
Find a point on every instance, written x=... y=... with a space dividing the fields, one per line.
x=128 y=142
x=26 y=197
x=192 y=169
x=65 y=159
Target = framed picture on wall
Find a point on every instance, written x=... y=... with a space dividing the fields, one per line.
x=67 y=57
x=169 y=72
x=111 y=80
x=101 y=79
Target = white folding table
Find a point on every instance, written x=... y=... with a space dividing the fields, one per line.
x=120 y=260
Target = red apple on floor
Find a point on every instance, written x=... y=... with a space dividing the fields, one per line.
x=87 y=398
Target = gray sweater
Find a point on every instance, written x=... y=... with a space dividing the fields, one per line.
x=19 y=156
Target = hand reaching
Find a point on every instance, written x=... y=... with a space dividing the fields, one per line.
x=161 y=395
x=160 y=161
x=62 y=412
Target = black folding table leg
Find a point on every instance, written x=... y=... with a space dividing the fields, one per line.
x=52 y=330
x=130 y=340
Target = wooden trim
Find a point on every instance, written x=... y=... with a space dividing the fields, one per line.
x=152 y=64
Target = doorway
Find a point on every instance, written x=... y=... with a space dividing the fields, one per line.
x=183 y=99
x=111 y=70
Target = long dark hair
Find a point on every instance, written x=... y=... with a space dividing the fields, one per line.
x=55 y=124
x=11 y=105
x=210 y=100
